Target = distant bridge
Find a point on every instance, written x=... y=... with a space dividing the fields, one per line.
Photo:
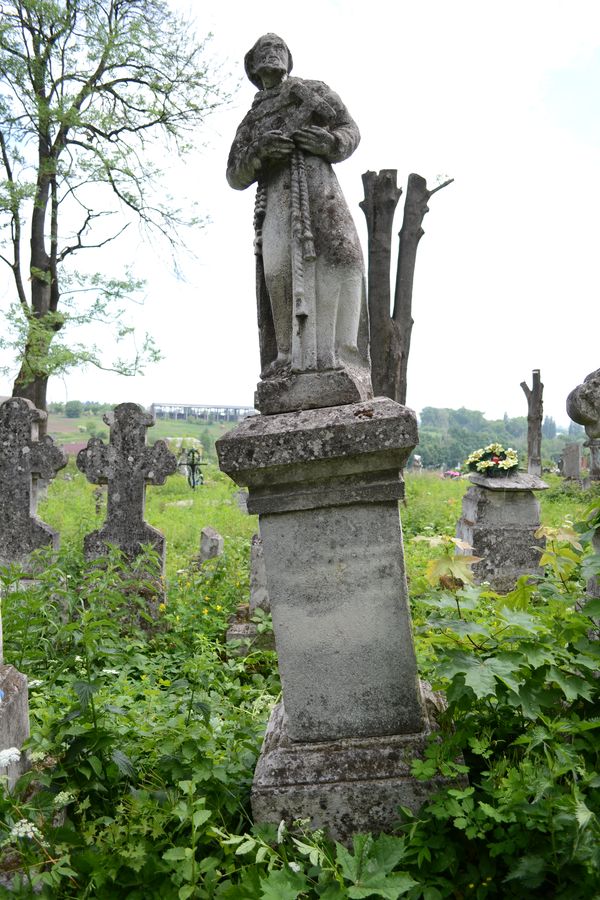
x=201 y=412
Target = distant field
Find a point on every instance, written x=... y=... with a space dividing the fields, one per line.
x=69 y=431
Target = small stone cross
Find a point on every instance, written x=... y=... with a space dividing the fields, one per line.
x=126 y=465
x=23 y=460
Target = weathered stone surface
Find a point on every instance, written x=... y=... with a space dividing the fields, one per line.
x=23 y=461
x=499 y=523
x=583 y=406
x=126 y=465
x=241 y=627
x=313 y=390
x=593 y=585
x=522 y=481
x=310 y=270
x=571 y=462
x=371 y=441
x=211 y=544
x=326 y=484
x=14 y=718
x=259 y=592
x=346 y=786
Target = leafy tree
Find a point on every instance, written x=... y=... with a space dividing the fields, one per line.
x=73 y=409
x=88 y=90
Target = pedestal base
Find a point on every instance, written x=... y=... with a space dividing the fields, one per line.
x=347 y=786
x=499 y=519
x=313 y=390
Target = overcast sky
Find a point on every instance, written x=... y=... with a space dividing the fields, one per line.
x=504 y=98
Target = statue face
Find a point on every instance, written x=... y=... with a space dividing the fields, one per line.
x=270 y=56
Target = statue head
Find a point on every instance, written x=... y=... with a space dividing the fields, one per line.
x=583 y=404
x=269 y=54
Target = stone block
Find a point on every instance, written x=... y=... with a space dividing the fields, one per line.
x=345 y=786
x=14 y=719
x=499 y=519
x=211 y=544
x=326 y=483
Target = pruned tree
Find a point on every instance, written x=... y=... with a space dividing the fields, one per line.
x=535 y=415
x=391 y=333
x=89 y=94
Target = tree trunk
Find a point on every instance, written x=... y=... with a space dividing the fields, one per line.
x=535 y=414
x=390 y=333
x=379 y=206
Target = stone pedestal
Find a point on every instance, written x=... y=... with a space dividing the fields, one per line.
x=14 y=719
x=499 y=519
x=326 y=484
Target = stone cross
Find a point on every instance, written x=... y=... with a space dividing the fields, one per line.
x=126 y=465
x=23 y=460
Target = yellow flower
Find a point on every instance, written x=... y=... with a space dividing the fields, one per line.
x=162 y=606
x=218 y=607
x=205 y=611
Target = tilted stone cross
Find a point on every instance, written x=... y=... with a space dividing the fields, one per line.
x=23 y=460
x=126 y=465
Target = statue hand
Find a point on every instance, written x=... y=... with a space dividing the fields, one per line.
x=315 y=140
x=271 y=146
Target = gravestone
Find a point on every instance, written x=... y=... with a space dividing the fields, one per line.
x=23 y=461
x=499 y=519
x=242 y=627
x=14 y=721
x=322 y=465
x=126 y=465
x=571 y=462
x=211 y=544
x=583 y=406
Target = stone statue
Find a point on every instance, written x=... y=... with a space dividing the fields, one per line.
x=310 y=274
x=583 y=406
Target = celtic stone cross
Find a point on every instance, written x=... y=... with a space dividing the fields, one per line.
x=23 y=460
x=126 y=465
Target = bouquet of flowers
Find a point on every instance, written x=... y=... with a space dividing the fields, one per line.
x=493 y=461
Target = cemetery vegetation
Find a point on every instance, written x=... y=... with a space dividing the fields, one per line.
x=92 y=97
x=145 y=734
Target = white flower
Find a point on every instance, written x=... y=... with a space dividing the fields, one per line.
x=25 y=829
x=35 y=682
x=9 y=756
x=63 y=799
x=281 y=831
x=110 y=671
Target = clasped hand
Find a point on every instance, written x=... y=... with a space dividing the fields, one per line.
x=273 y=145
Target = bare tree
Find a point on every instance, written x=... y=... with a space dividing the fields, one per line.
x=391 y=333
x=535 y=415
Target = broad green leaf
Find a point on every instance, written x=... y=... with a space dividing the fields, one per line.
x=390 y=887
x=282 y=884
